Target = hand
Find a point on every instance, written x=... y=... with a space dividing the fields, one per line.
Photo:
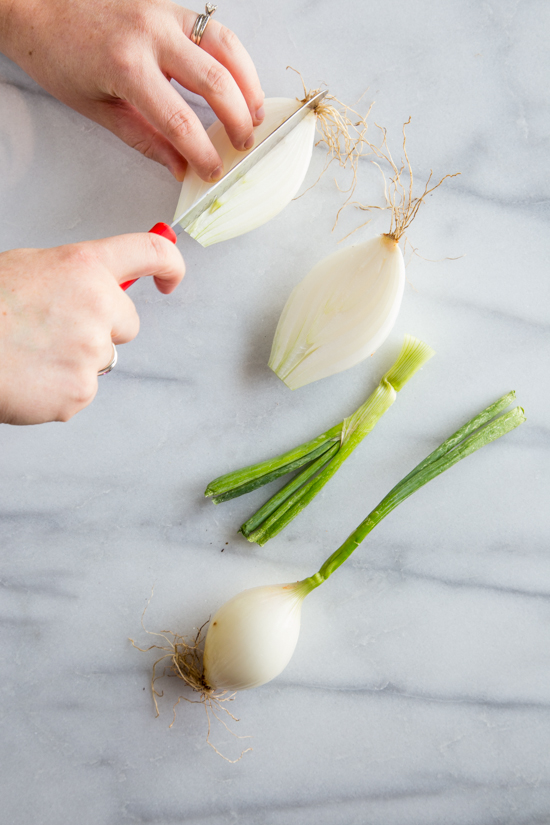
x=59 y=311
x=112 y=61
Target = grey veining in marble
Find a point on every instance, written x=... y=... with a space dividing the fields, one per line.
x=419 y=693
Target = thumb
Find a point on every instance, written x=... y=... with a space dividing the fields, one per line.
x=141 y=254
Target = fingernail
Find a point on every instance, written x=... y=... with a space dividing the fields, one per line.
x=260 y=113
x=249 y=142
x=217 y=173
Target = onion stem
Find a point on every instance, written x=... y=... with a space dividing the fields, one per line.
x=250 y=478
x=283 y=495
x=323 y=455
x=481 y=430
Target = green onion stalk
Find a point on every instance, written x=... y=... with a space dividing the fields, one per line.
x=318 y=459
x=252 y=637
x=477 y=433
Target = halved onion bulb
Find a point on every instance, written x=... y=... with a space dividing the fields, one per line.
x=341 y=312
x=264 y=190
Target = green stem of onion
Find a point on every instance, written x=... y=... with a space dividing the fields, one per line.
x=286 y=492
x=471 y=437
x=292 y=499
x=250 y=478
x=349 y=432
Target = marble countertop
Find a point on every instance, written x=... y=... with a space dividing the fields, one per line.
x=419 y=693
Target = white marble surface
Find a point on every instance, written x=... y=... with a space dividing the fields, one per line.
x=419 y=693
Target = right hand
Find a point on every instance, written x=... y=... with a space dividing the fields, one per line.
x=60 y=309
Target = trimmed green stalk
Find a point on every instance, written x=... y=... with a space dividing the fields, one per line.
x=294 y=503
x=413 y=355
x=250 y=478
x=320 y=458
x=284 y=494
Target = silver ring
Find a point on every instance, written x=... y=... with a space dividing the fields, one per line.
x=201 y=23
x=112 y=362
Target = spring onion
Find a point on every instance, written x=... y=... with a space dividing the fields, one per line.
x=319 y=459
x=252 y=637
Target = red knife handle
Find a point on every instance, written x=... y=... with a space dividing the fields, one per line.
x=158 y=229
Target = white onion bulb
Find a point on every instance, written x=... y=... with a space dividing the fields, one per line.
x=341 y=312
x=252 y=637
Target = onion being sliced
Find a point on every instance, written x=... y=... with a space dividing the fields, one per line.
x=265 y=190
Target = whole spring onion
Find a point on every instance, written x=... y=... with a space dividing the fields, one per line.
x=252 y=637
x=347 y=305
x=272 y=183
x=319 y=459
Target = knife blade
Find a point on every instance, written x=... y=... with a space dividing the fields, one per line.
x=243 y=166
x=235 y=174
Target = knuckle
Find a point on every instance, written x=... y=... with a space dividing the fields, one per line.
x=99 y=303
x=122 y=60
x=179 y=125
x=83 y=390
x=79 y=256
x=80 y=390
x=85 y=347
x=142 y=18
x=229 y=40
x=160 y=248
x=164 y=260
x=217 y=79
x=92 y=346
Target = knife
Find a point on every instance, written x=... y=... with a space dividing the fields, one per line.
x=236 y=173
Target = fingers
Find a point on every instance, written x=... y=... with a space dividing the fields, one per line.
x=107 y=356
x=122 y=258
x=225 y=47
x=220 y=70
x=166 y=110
x=199 y=72
x=125 y=326
x=124 y=120
x=139 y=255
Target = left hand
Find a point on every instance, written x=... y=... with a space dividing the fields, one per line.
x=112 y=61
